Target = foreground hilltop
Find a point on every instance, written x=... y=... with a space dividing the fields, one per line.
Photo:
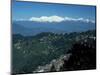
x=82 y=56
x=47 y=51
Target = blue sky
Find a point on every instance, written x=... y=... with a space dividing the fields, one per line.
x=26 y=10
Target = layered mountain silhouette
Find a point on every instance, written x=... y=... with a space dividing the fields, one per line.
x=27 y=28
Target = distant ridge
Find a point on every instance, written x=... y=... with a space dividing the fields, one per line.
x=32 y=28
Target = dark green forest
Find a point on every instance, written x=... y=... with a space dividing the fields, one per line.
x=29 y=52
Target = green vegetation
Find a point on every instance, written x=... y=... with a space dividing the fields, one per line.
x=29 y=52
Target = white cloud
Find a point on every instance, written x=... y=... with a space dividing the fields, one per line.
x=47 y=19
x=74 y=19
x=21 y=20
x=55 y=18
x=79 y=19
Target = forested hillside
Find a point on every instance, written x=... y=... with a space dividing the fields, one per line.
x=30 y=52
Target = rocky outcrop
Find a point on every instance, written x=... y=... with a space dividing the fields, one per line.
x=55 y=65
